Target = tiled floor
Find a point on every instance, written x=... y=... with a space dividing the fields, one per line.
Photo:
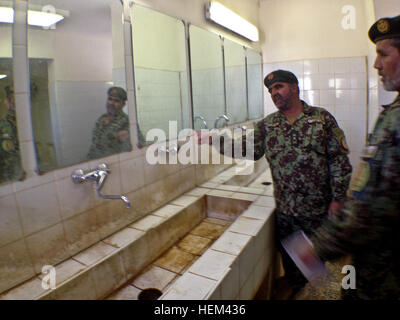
x=329 y=289
x=175 y=261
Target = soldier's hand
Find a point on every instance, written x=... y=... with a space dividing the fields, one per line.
x=334 y=207
x=203 y=137
x=122 y=135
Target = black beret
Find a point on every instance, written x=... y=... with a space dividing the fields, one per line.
x=385 y=28
x=117 y=92
x=280 y=76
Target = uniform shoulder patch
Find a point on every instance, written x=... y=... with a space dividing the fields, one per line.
x=340 y=137
x=344 y=144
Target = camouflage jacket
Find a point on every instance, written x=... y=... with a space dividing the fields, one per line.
x=10 y=162
x=104 y=139
x=368 y=227
x=308 y=160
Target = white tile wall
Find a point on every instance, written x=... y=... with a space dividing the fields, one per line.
x=208 y=98
x=158 y=98
x=10 y=227
x=254 y=96
x=236 y=104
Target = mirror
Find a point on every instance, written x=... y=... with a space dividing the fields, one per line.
x=254 y=84
x=235 y=81
x=73 y=63
x=10 y=157
x=159 y=53
x=207 y=77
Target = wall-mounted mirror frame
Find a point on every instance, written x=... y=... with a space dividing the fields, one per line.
x=207 y=74
x=73 y=64
x=235 y=81
x=224 y=80
x=161 y=74
x=254 y=76
x=10 y=155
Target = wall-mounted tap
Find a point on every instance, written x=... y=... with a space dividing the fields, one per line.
x=243 y=128
x=172 y=149
x=222 y=116
x=98 y=176
x=202 y=120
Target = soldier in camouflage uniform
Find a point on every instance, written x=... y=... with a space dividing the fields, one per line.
x=307 y=154
x=10 y=161
x=111 y=132
x=368 y=226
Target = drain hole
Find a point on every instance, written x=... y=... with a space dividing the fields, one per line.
x=149 y=294
x=266 y=183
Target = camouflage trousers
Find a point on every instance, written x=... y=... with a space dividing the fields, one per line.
x=286 y=225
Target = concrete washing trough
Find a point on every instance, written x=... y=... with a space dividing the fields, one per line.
x=213 y=242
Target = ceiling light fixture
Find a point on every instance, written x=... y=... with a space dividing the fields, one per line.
x=2 y=76
x=230 y=20
x=35 y=18
x=6 y=15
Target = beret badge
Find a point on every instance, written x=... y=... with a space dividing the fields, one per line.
x=383 y=26
x=270 y=76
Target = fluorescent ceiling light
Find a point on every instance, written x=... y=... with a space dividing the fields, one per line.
x=230 y=20
x=43 y=19
x=35 y=18
x=6 y=15
x=2 y=76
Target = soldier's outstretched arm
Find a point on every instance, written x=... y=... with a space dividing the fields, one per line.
x=252 y=144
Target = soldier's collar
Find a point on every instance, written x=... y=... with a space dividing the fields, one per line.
x=117 y=114
x=306 y=108
x=395 y=102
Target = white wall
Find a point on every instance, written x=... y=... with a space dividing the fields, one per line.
x=310 y=29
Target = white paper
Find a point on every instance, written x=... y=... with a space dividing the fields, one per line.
x=313 y=269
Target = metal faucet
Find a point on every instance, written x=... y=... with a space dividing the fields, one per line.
x=203 y=120
x=243 y=128
x=98 y=176
x=222 y=116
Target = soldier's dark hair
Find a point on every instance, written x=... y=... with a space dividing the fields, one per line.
x=298 y=88
x=396 y=43
x=9 y=91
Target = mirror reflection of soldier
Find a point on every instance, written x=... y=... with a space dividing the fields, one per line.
x=10 y=162
x=111 y=132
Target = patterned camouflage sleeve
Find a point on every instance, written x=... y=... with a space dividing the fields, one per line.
x=252 y=145
x=126 y=144
x=339 y=164
x=370 y=220
x=95 y=134
x=259 y=140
